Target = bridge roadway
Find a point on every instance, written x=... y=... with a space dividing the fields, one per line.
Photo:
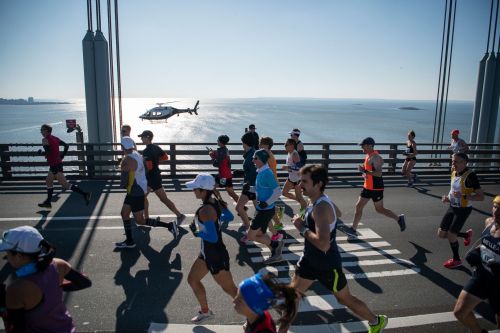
x=145 y=289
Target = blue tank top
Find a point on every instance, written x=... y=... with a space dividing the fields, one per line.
x=324 y=261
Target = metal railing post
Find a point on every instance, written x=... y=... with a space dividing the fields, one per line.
x=326 y=156
x=5 y=158
x=90 y=158
x=173 y=161
x=393 y=154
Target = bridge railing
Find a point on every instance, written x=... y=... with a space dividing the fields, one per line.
x=101 y=161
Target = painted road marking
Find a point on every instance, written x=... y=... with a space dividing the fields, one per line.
x=356 y=326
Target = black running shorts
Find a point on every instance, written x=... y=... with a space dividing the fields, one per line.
x=249 y=195
x=154 y=180
x=223 y=182
x=136 y=203
x=333 y=280
x=483 y=285
x=454 y=219
x=375 y=195
x=55 y=169
x=216 y=263
x=261 y=220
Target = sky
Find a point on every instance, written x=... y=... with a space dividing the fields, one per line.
x=376 y=49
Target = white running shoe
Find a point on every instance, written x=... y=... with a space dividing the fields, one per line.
x=202 y=316
x=180 y=219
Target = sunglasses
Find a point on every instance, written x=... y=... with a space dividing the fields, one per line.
x=255 y=158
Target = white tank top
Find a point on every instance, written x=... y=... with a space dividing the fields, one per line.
x=293 y=170
x=140 y=173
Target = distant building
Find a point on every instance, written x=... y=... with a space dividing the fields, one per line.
x=31 y=100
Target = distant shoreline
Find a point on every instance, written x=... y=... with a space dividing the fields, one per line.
x=21 y=101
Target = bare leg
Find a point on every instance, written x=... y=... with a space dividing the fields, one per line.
x=240 y=208
x=286 y=190
x=464 y=308
x=259 y=237
x=358 y=211
x=196 y=274
x=146 y=206
x=357 y=306
x=232 y=194
x=225 y=280
x=379 y=207
x=162 y=195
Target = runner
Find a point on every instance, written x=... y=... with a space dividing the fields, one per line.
x=410 y=158
x=213 y=256
x=221 y=160
x=299 y=146
x=293 y=164
x=152 y=156
x=267 y=143
x=55 y=159
x=457 y=144
x=464 y=188
x=248 y=189
x=34 y=300
x=321 y=258
x=485 y=280
x=133 y=178
x=267 y=192
x=373 y=188
x=259 y=293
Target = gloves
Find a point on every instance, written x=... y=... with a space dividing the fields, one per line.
x=262 y=204
x=192 y=226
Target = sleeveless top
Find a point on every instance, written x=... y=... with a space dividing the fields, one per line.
x=264 y=323
x=324 y=261
x=302 y=154
x=51 y=314
x=224 y=163
x=490 y=248
x=208 y=248
x=458 y=185
x=372 y=182
x=53 y=157
x=137 y=179
x=293 y=168
x=409 y=148
x=457 y=146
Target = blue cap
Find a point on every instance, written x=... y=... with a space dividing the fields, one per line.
x=262 y=155
x=257 y=295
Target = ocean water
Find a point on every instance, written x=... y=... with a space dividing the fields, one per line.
x=320 y=120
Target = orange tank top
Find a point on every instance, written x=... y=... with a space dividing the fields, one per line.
x=372 y=182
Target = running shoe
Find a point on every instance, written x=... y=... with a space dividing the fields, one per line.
x=175 y=229
x=87 y=197
x=379 y=327
x=180 y=219
x=202 y=316
x=281 y=212
x=279 y=226
x=277 y=237
x=279 y=249
x=45 y=204
x=351 y=233
x=125 y=245
x=402 y=222
x=410 y=183
x=452 y=263
x=273 y=259
x=468 y=239
x=244 y=239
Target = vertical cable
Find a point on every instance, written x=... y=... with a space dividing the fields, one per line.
x=489 y=28
x=118 y=76
x=434 y=139
x=111 y=70
x=89 y=15
x=495 y=30
x=449 y=70
x=98 y=13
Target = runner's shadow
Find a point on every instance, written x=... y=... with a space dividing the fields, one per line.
x=149 y=291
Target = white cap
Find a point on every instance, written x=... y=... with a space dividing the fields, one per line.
x=23 y=239
x=127 y=142
x=295 y=131
x=203 y=180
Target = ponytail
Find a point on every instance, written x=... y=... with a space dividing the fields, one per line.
x=45 y=256
x=287 y=301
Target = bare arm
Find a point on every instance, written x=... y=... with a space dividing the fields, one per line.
x=377 y=162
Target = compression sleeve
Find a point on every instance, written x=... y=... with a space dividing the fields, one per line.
x=77 y=281
x=210 y=234
x=65 y=145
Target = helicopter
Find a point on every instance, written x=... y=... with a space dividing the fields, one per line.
x=165 y=112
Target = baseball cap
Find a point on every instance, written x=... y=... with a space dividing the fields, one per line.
x=251 y=126
x=147 y=134
x=262 y=155
x=257 y=295
x=23 y=239
x=455 y=131
x=295 y=131
x=367 y=141
x=127 y=142
x=204 y=181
